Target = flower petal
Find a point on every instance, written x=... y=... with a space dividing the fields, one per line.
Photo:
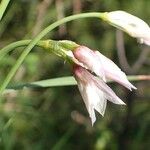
x=109 y=93
x=95 y=92
x=101 y=66
x=113 y=72
x=88 y=58
x=93 y=99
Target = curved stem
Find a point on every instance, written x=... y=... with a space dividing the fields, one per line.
x=17 y=44
x=39 y=37
x=3 y=7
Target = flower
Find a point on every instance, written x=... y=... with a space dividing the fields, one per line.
x=95 y=92
x=133 y=25
x=101 y=66
x=91 y=71
x=90 y=60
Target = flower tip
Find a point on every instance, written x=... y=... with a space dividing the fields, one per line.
x=123 y=103
x=119 y=102
x=93 y=119
x=129 y=86
x=103 y=114
x=132 y=87
x=93 y=123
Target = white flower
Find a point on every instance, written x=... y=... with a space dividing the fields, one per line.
x=133 y=25
x=95 y=92
x=101 y=66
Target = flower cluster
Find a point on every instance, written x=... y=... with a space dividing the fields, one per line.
x=91 y=72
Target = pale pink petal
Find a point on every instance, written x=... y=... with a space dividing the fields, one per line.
x=86 y=56
x=92 y=96
x=113 y=72
x=101 y=66
x=109 y=93
x=95 y=92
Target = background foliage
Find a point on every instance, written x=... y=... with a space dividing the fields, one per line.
x=56 y=118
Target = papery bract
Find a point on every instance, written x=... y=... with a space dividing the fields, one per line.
x=95 y=92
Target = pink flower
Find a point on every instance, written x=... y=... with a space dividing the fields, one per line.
x=90 y=60
x=95 y=92
x=101 y=66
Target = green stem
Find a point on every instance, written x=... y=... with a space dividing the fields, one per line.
x=3 y=7
x=8 y=17
x=39 y=37
x=17 y=44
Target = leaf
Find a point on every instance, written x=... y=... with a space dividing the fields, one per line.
x=64 y=81
x=61 y=81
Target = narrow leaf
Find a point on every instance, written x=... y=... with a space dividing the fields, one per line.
x=62 y=81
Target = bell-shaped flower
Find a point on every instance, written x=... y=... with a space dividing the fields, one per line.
x=95 y=92
x=101 y=66
x=130 y=24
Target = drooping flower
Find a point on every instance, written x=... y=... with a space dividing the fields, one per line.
x=95 y=92
x=101 y=66
x=130 y=24
x=91 y=71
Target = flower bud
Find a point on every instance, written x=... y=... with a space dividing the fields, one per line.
x=130 y=24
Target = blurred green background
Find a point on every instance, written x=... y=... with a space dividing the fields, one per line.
x=56 y=118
